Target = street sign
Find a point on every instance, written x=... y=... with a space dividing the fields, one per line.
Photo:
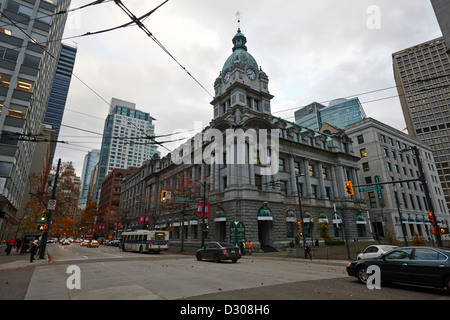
x=51 y=204
x=372 y=188
x=182 y=199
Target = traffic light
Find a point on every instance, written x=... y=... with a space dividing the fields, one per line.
x=431 y=218
x=163 y=196
x=349 y=188
x=443 y=230
x=43 y=216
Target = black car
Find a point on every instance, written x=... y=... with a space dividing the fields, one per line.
x=219 y=251
x=425 y=266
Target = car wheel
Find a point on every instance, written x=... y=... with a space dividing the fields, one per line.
x=447 y=283
x=199 y=257
x=234 y=260
x=216 y=258
x=362 y=274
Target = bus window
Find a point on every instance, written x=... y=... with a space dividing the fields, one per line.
x=160 y=236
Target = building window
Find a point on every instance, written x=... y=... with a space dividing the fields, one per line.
x=258 y=182
x=311 y=170
x=363 y=153
x=281 y=165
x=366 y=166
x=297 y=168
x=324 y=173
x=360 y=139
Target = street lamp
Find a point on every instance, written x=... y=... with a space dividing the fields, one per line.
x=301 y=211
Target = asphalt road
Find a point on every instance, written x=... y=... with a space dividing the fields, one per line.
x=107 y=273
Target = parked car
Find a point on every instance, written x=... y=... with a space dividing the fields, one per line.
x=219 y=251
x=425 y=266
x=93 y=244
x=374 y=251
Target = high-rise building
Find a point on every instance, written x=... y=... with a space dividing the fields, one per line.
x=90 y=161
x=60 y=88
x=442 y=11
x=422 y=76
x=126 y=140
x=30 y=34
x=339 y=113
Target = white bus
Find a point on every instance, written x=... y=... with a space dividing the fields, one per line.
x=145 y=241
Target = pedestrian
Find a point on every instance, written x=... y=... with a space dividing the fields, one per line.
x=9 y=246
x=250 y=246
x=33 y=250
x=308 y=251
x=18 y=244
x=242 y=246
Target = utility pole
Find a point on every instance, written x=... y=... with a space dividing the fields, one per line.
x=49 y=215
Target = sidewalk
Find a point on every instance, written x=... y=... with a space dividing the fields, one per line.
x=17 y=260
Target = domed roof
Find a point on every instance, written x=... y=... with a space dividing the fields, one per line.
x=240 y=54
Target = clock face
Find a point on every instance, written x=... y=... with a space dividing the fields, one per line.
x=251 y=73
x=226 y=78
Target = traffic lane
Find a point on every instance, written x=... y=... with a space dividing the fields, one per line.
x=75 y=251
x=329 y=289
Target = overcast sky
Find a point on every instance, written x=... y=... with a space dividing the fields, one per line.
x=311 y=51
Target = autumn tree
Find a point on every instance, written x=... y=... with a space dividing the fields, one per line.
x=88 y=216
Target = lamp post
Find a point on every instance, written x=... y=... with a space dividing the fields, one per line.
x=301 y=211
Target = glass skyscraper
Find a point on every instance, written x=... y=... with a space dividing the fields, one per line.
x=125 y=140
x=60 y=88
x=339 y=113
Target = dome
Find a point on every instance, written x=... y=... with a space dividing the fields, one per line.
x=240 y=54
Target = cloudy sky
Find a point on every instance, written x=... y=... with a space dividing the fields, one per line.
x=311 y=51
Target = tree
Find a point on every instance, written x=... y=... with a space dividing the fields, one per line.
x=182 y=187
x=88 y=217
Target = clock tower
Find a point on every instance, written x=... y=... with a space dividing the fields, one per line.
x=241 y=82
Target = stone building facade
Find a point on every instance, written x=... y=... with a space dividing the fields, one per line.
x=247 y=164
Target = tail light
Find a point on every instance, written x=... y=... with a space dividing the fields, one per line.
x=224 y=251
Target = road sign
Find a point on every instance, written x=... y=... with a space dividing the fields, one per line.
x=372 y=188
x=182 y=199
x=51 y=204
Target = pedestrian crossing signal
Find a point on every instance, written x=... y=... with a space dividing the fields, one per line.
x=163 y=196
x=349 y=188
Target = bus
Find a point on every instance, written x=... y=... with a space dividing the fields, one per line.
x=145 y=241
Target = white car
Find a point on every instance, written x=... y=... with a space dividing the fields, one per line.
x=375 y=251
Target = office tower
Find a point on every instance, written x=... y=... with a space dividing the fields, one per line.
x=29 y=42
x=422 y=76
x=339 y=113
x=90 y=161
x=60 y=88
x=126 y=141
x=442 y=11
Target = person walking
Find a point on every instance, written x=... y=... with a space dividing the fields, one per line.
x=33 y=250
x=308 y=251
x=9 y=246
